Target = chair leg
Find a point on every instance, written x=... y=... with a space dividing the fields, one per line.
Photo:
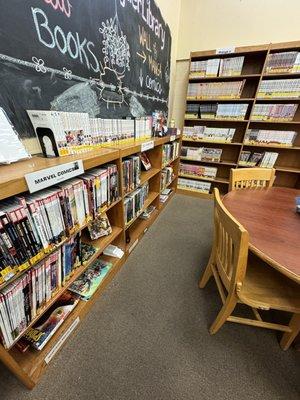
x=207 y=272
x=225 y=312
x=288 y=337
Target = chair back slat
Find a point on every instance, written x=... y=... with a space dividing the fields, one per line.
x=231 y=244
x=250 y=178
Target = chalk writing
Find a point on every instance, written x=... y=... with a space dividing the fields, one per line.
x=71 y=44
x=63 y=5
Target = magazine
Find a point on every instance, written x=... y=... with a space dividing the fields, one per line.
x=99 y=227
x=39 y=335
x=86 y=285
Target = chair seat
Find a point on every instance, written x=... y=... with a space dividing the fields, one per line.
x=266 y=288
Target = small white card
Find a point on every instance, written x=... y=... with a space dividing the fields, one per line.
x=225 y=50
x=172 y=138
x=61 y=341
x=47 y=177
x=147 y=145
x=133 y=246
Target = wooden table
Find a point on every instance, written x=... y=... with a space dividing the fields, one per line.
x=274 y=229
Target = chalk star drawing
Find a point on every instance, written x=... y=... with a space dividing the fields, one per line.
x=39 y=64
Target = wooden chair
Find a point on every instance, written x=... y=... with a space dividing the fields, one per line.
x=248 y=178
x=243 y=279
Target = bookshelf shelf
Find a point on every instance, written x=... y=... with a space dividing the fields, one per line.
x=223 y=78
x=195 y=193
x=212 y=142
x=13 y=179
x=272 y=146
x=31 y=365
x=219 y=100
x=229 y=163
x=233 y=120
x=203 y=178
x=254 y=71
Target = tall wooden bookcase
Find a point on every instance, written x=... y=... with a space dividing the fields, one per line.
x=30 y=366
x=288 y=162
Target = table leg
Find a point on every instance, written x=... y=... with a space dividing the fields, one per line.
x=288 y=337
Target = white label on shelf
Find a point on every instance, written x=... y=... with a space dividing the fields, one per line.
x=225 y=50
x=147 y=145
x=52 y=176
x=133 y=246
x=145 y=230
x=172 y=138
x=61 y=341
x=178 y=132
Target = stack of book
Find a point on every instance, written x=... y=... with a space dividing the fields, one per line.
x=32 y=225
x=143 y=128
x=198 y=170
x=223 y=111
x=192 y=111
x=75 y=133
x=170 y=151
x=167 y=174
x=134 y=202
x=286 y=88
x=201 y=153
x=274 y=112
x=205 y=69
x=285 y=62
x=208 y=134
x=252 y=159
x=231 y=66
x=131 y=173
x=262 y=136
x=216 y=90
x=198 y=186
x=213 y=67
x=23 y=300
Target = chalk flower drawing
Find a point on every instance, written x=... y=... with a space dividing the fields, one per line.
x=67 y=73
x=39 y=64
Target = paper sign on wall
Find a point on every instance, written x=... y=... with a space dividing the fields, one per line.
x=225 y=50
x=52 y=176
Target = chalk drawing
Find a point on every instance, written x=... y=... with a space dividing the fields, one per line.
x=39 y=64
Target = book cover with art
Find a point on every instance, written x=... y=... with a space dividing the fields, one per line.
x=90 y=280
x=40 y=334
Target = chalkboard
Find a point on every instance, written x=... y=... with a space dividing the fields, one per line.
x=110 y=58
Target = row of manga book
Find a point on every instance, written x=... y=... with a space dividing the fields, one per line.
x=135 y=201
x=32 y=225
x=170 y=151
x=24 y=299
x=167 y=174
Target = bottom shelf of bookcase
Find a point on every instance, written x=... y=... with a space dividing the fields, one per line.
x=34 y=362
x=194 y=193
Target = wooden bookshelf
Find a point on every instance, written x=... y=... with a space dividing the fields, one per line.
x=29 y=367
x=253 y=72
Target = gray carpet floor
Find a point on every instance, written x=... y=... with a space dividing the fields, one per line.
x=147 y=337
